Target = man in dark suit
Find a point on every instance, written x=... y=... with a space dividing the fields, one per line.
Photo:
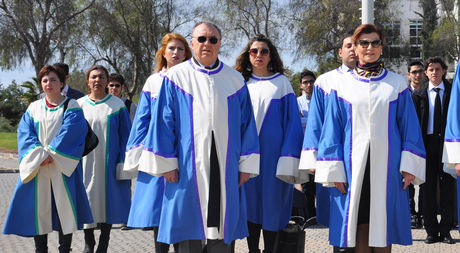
x=431 y=103
x=67 y=91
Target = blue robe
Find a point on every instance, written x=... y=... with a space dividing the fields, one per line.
x=269 y=196
x=315 y=120
x=41 y=191
x=380 y=118
x=148 y=194
x=194 y=102
x=451 y=150
x=107 y=185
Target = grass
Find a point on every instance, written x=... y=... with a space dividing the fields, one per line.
x=8 y=141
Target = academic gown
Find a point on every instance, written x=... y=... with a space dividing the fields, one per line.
x=41 y=191
x=192 y=104
x=148 y=194
x=269 y=196
x=451 y=150
x=315 y=120
x=375 y=115
x=107 y=185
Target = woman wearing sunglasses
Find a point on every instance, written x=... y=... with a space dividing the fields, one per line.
x=107 y=185
x=371 y=149
x=50 y=194
x=269 y=196
x=148 y=195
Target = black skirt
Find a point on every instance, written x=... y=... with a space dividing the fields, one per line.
x=365 y=199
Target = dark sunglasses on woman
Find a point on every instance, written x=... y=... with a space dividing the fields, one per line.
x=365 y=43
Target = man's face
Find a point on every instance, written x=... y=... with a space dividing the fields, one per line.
x=306 y=85
x=435 y=72
x=416 y=75
x=204 y=50
x=347 y=53
x=115 y=88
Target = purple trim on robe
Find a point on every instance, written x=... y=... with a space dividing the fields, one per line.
x=390 y=124
x=237 y=92
x=177 y=87
x=265 y=78
x=339 y=70
x=249 y=153
x=415 y=152
x=329 y=159
x=310 y=148
x=160 y=154
x=290 y=155
x=134 y=146
x=452 y=140
x=212 y=72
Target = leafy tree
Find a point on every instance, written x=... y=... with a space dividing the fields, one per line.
x=447 y=33
x=33 y=90
x=320 y=25
x=430 y=22
x=12 y=105
x=34 y=29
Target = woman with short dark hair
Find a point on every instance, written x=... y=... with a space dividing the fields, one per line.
x=371 y=149
x=50 y=194
x=107 y=185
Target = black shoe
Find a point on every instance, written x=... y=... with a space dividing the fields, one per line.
x=88 y=249
x=431 y=239
x=447 y=239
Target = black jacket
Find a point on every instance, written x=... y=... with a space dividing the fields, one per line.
x=421 y=103
x=75 y=94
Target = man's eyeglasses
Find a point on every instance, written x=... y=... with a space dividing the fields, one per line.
x=255 y=51
x=115 y=85
x=365 y=43
x=202 y=39
x=308 y=81
x=415 y=72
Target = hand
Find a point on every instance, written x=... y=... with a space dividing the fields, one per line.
x=47 y=160
x=341 y=187
x=408 y=178
x=457 y=169
x=312 y=171
x=171 y=176
x=244 y=177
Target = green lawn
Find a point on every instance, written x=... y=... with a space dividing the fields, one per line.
x=8 y=141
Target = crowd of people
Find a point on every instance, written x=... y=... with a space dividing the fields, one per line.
x=217 y=152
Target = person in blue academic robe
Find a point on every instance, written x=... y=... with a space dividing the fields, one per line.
x=370 y=148
x=451 y=150
x=50 y=194
x=107 y=185
x=148 y=194
x=269 y=196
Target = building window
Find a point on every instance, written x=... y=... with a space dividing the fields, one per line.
x=415 y=39
x=392 y=47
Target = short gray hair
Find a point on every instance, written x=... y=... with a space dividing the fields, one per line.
x=208 y=24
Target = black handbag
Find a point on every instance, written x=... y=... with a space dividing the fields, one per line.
x=91 y=140
x=291 y=239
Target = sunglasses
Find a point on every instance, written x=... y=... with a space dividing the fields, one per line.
x=114 y=85
x=308 y=82
x=415 y=72
x=203 y=39
x=365 y=43
x=254 y=51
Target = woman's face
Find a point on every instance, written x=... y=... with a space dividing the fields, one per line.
x=259 y=55
x=369 y=47
x=97 y=81
x=174 y=53
x=51 y=84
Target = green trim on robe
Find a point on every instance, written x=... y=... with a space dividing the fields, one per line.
x=70 y=198
x=64 y=155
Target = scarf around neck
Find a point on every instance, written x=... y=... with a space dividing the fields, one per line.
x=370 y=69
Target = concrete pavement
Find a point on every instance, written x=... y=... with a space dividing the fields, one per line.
x=141 y=241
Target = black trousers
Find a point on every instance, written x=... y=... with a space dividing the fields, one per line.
x=435 y=175
x=104 y=238
x=41 y=242
x=309 y=189
x=270 y=239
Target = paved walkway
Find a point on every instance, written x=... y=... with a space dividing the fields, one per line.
x=142 y=242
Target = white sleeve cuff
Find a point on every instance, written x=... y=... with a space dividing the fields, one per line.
x=250 y=164
x=308 y=159
x=30 y=163
x=132 y=158
x=288 y=171
x=413 y=164
x=328 y=172
x=451 y=154
x=64 y=164
x=156 y=165
x=123 y=174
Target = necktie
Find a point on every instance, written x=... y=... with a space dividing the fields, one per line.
x=437 y=120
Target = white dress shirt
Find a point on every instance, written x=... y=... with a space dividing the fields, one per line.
x=431 y=101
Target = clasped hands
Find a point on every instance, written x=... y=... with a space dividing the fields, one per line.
x=173 y=176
